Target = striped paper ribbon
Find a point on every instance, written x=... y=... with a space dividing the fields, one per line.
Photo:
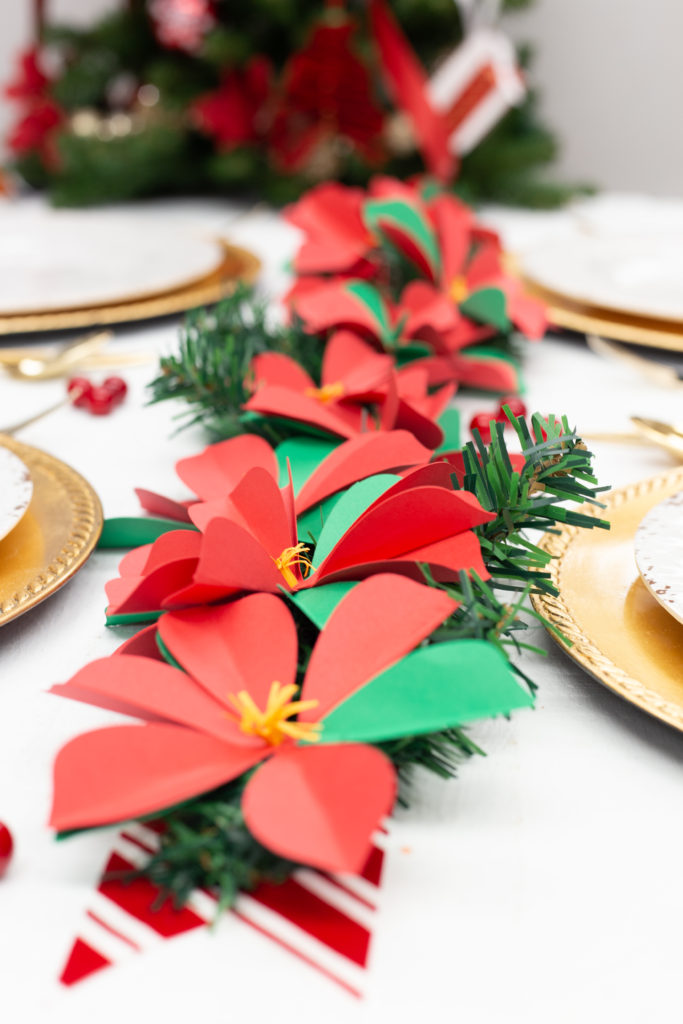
x=325 y=920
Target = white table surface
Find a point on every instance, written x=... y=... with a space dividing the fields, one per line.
x=544 y=885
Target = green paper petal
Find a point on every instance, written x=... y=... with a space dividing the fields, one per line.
x=310 y=523
x=305 y=455
x=487 y=306
x=409 y=221
x=433 y=688
x=318 y=603
x=372 y=299
x=350 y=506
x=409 y=353
x=133 y=531
x=449 y=421
x=133 y=618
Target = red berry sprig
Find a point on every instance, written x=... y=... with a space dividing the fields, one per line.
x=101 y=399
x=6 y=848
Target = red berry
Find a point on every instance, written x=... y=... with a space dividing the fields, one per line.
x=100 y=402
x=517 y=406
x=481 y=421
x=117 y=388
x=82 y=385
x=6 y=847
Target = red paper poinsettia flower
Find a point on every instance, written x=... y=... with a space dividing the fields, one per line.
x=234 y=114
x=326 y=96
x=216 y=471
x=236 y=706
x=360 y=391
x=249 y=542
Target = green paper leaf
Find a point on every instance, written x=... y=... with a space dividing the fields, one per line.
x=449 y=421
x=310 y=523
x=350 y=506
x=487 y=306
x=318 y=603
x=433 y=688
x=133 y=618
x=133 y=531
x=394 y=217
x=167 y=656
x=255 y=419
x=373 y=300
x=409 y=353
x=305 y=455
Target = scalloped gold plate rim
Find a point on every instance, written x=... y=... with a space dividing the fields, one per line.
x=617 y=630
x=55 y=537
x=634 y=330
x=238 y=265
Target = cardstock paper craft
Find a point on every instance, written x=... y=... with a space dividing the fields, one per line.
x=323 y=920
x=318 y=794
x=383 y=523
x=361 y=391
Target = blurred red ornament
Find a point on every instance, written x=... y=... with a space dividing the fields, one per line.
x=327 y=97
x=182 y=24
x=481 y=421
x=514 y=403
x=6 y=848
x=234 y=113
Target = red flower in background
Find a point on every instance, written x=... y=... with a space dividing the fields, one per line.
x=234 y=114
x=326 y=95
x=33 y=132
x=30 y=80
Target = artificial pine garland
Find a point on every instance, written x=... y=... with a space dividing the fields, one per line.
x=330 y=610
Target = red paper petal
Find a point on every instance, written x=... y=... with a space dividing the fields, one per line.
x=148 y=593
x=344 y=352
x=231 y=560
x=257 y=498
x=330 y=214
x=453 y=221
x=143 y=644
x=126 y=771
x=220 y=467
x=246 y=645
x=160 y=505
x=358 y=458
x=278 y=370
x=272 y=401
x=151 y=690
x=320 y=805
x=377 y=623
x=402 y=522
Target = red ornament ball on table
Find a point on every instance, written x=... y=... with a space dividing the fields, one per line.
x=6 y=848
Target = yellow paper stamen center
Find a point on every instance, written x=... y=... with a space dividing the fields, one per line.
x=459 y=289
x=328 y=393
x=291 y=557
x=273 y=724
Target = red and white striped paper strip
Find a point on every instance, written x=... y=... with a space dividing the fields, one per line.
x=324 y=920
x=475 y=86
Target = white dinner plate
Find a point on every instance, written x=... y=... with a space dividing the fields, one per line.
x=640 y=275
x=70 y=259
x=16 y=490
x=659 y=553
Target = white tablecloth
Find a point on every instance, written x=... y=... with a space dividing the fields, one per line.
x=544 y=885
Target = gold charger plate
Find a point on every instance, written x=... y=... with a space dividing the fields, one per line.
x=619 y=632
x=238 y=265
x=55 y=537
x=636 y=330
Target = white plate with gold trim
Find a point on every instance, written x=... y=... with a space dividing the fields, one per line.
x=16 y=490
x=659 y=553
